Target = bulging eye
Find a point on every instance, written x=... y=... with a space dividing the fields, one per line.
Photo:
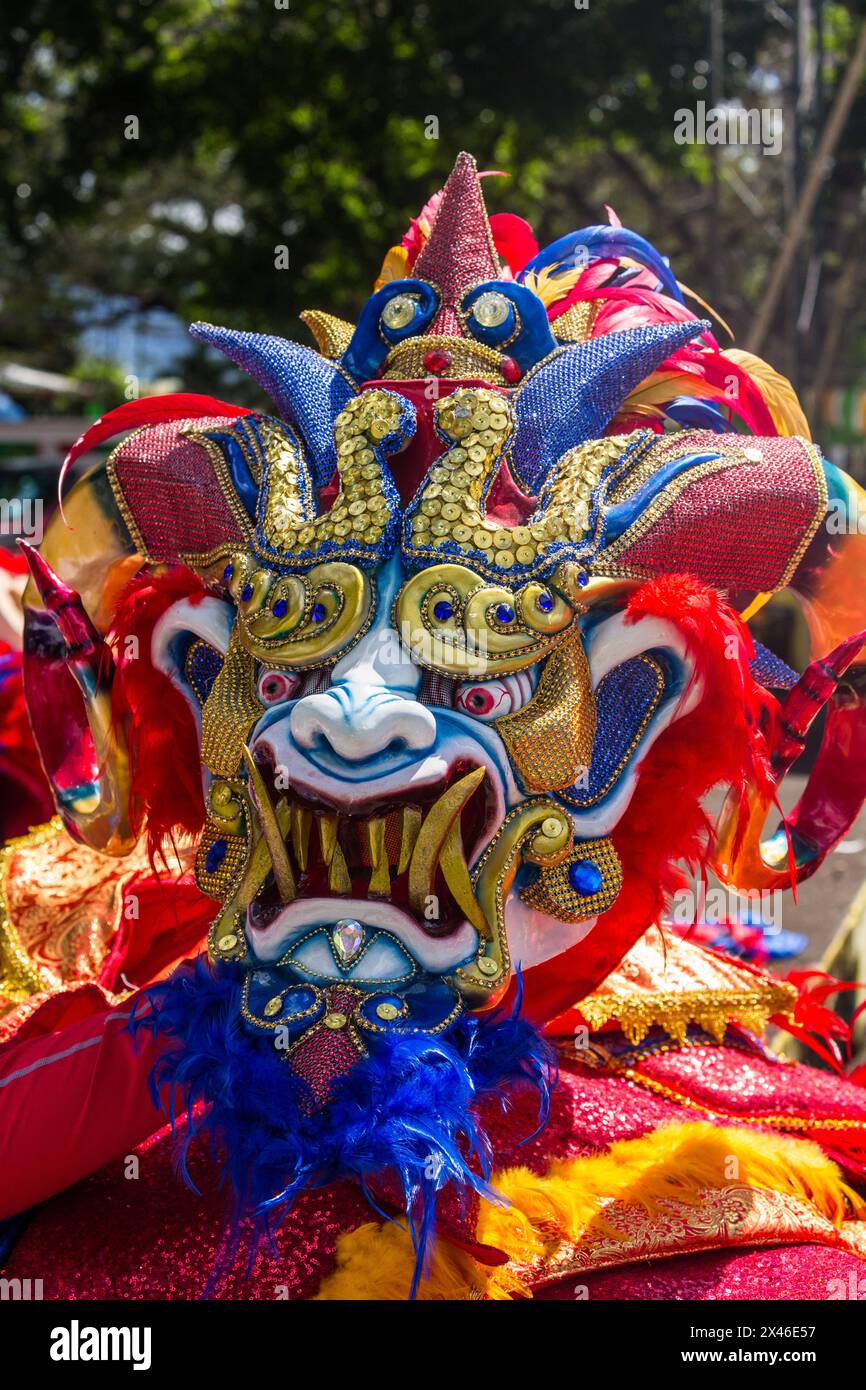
x=491 y=310
x=490 y=700
x=400 y=311
x=275 y=686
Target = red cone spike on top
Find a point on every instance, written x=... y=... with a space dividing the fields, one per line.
x=460 y=251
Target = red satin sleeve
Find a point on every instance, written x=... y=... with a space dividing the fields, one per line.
x=70 y=1102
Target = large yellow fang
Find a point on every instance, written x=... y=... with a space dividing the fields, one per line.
x=410 y=825
x=271 y=830
x=432 y=836
x=338 y=872
x=302 y=820
x=380 y=879
x=456 y=875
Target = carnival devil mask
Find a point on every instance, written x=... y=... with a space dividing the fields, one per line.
x=450 y=627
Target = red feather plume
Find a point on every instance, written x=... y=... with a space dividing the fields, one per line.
x=161 y=733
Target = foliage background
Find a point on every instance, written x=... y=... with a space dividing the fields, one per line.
x=302 y=122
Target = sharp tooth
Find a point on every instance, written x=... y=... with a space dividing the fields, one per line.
x=328 y=836
x=410 y=825
x=456 y=875
x=273 y=830
x=433 y=835
x=380 y=878
x=338 y=872
x=302 y=820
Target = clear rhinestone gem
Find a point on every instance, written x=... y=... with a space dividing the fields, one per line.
x=348 y=938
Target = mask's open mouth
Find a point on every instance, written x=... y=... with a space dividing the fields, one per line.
x=413 y=853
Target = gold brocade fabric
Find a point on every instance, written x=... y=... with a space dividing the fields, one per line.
x=672 y=982
x=721 y=1218
x=60 y=906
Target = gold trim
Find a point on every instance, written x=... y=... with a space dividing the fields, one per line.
x=19 y=977
x=711 y=1010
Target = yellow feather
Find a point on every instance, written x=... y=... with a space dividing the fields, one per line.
x=675 y=1163
x=779 y=394
x=550 y=286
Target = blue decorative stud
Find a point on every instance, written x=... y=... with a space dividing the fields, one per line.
x=246 y=593
x=443 y=610
x=545 y=602
x=228 y=572
x=215 y=856
x=504 y=613
x=280 y=608
x=318 y=613
x=585 y=877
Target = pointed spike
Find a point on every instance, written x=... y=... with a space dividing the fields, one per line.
x=456 y=875
x=409 y=827
x=308 y=390
x=380 y=879
x=302 y=821
x=88 y=656
x=271 y=830
x=459 y=251
x=589 y=383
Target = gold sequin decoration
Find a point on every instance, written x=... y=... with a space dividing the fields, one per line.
x=230 y=711
x=575 y=325
x=332 y=335
x=468 y=358
x=550 y=739
x=450 y=506
x=552 y=893
x=362 y=508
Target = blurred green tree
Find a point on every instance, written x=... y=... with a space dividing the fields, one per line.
x=157 y=153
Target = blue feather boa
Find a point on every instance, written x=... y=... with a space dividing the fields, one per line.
x=407 y=1109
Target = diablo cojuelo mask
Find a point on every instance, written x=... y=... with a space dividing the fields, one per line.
x=450 y=635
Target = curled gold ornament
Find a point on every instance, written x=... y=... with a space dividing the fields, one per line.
x=539 y=831
x=299 y=620
x=452 y=620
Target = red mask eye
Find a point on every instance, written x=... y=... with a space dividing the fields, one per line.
x=479 y=701
x=490 y=700
x=276 y=686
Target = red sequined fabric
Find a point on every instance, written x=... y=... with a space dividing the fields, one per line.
x=171 y=488
x=770 y=509
x=460 y=250
x=791 y=1271
x=134 y=1231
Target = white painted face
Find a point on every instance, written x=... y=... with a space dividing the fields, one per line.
x=365 y=753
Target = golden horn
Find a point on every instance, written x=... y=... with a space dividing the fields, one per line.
x=434 y=833
x=271 y=830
